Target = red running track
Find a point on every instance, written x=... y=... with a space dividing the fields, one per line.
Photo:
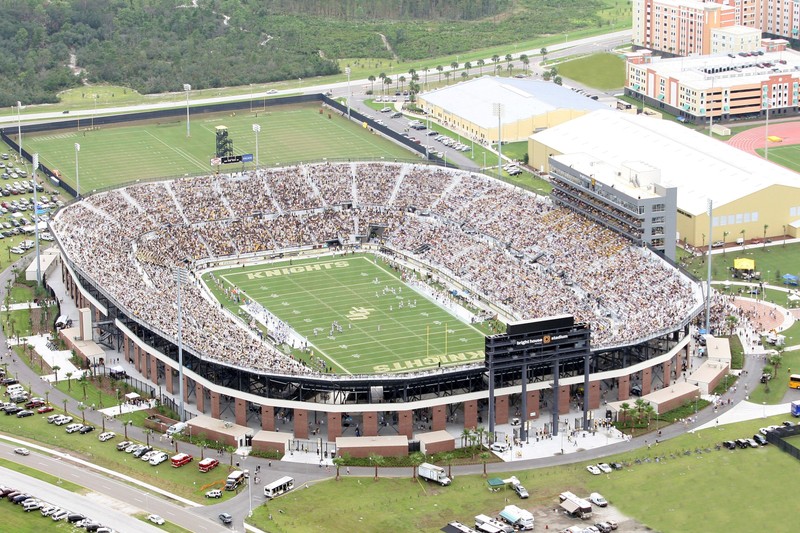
x=755 y=138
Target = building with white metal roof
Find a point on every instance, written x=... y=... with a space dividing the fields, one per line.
x=751 y=197
x=528 y=105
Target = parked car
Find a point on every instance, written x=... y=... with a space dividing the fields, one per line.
x=63 y=419
x=75 y=517
x=216 y=493
x=604 y=468
x=521 y=491
x=593 y=470
x=499 y=447
x=59 y=515
x=154 y=518
x=108 y=435
x=729 y=444
x=85 y=429
x=45 y=409
x=34 y=403
x=72 y=428
x=760 y=439
x=597 y=499
x=141 y=451
x=124 y=444
x=158 y=458
x=25 y=413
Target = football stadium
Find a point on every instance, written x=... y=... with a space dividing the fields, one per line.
x=363 y=291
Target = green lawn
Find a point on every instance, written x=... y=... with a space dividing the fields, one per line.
x=186 y=481
x=167 y=526
x=785 y=155
x=18 y=521
x=601 y=71
x=686 y=493
x=778 y=390
x=290 y=134
x=377 y=334
x=22 y=468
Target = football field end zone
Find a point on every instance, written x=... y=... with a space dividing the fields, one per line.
x=463 y=347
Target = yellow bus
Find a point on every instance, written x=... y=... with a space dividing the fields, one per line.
x=794 y=381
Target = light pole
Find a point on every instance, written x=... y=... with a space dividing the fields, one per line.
x=256 y=130
x=187 y=88
x=497 y=110
x=19 y=128
x=347 y=71
x=766 y=129
x=77 y=174
x=119 y=402
x=36 y=220
x=249 y=491
x=180 y=279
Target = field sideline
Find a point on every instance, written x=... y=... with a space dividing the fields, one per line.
x=386 y=326
x=121 y=154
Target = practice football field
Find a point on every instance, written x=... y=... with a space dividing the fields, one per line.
x=386 y=326
x=114 y=155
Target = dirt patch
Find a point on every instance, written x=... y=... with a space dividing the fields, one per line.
x=554 y=519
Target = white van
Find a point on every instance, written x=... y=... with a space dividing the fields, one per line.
x=59 y=515
x=176 y=428
x=15 y=389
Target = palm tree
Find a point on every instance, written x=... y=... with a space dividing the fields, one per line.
x=82 y=408
x=481 y=63
x=766 y=226
x=485 y=457
x=495 y=58
x=508 y=58
x=448 y=458
x=624 y=408
x=509 y=68
x=557 y=80
x=440 y=68
x=464 y=75
x=412 y=72
x=371 y=79
x=776 y=360
x=56 y=368
x=543 y=52
x=387 y=81
x=454 y=65
x=525 y=60
x=416 y=458
x=481 y=431
x=467 y=66
x=447 y=77
x=338 y=461
x=402 y=80
x=69 y=380
x=724 y=237
x=376 y=460
x=465 y=436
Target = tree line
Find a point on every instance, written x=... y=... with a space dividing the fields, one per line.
x=156 y=46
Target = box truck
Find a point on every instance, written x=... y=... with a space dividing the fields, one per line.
x=433 y=473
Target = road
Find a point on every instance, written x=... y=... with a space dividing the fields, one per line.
x=580 y=46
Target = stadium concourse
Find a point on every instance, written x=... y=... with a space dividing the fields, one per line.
x=518 y=253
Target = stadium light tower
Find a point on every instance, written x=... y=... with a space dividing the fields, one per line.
x=36 y=220
x=497 y=110
x=187 y=88
x=256 y=130
x=708 y=279
x=181 y=277
x=77 y=174
x=347 y=71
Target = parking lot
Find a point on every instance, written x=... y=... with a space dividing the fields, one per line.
x=17 y=209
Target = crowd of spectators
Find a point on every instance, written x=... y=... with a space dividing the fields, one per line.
x=507 y=245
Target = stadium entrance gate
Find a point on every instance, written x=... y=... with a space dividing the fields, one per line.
x=320 y=447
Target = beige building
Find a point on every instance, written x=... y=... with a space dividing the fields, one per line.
x=751 y=197
x=720 y=87
x=735 y=39
x=685 y=27
x=528 y=106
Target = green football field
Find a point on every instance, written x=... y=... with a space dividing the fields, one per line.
x=120 y=154
x=377 y=334
x=786 y=156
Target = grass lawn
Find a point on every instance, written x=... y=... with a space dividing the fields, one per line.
x=683 y=493
x=601 y=71
x=778 y=390
x=784 y=155
x=20 y=467
x=19 y=521
x=377 y=334
x=289 y=134
x=186 y=481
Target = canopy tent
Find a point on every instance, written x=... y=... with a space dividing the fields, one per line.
x=790 y=279
x=743 y=263
x=132 y=396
